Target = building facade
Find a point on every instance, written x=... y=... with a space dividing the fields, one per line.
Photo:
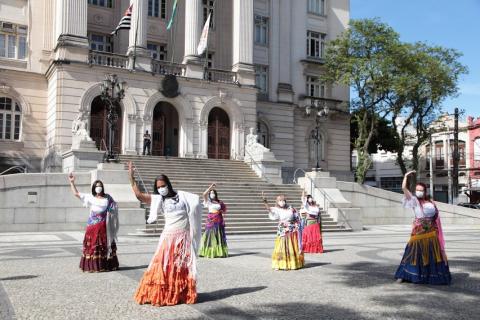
x=261 y=67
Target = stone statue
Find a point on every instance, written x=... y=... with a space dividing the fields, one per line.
x=80 y=128
x=252 y=145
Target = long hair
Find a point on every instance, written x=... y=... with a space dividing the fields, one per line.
x=216 y=195
x=313 y=200
x=164 y=178
x=93 y=188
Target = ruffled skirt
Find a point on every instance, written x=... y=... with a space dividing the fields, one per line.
x=312 y=237
x=286 y=253
x=214 y=240
x=424 y=261
x=95 y=257
x=170 y=277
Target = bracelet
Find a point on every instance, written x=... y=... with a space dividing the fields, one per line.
x=265 y=200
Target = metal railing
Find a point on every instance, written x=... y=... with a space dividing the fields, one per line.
x=108 y=59
x=327 y=200
x=22 y=169
x=218 y=75
x=162 y=67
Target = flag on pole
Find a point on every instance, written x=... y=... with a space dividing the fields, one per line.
x=202 y=45
x=174 y=12
x=125 y=22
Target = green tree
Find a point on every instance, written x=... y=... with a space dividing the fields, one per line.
x=362 y=58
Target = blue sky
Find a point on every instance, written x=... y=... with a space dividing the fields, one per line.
x=451 y=24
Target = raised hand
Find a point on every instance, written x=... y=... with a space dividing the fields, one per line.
x=71 y=177
x=410 y=173
x=130 y=168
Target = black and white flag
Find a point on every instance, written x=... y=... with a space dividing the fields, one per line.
x=125 y=22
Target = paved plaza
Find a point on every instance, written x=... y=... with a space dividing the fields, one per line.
x=40 y=279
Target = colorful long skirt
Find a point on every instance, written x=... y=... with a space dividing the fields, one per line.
x=170 y=277
x=95 y=257
x=423 y=261
x=312 y=237
x=286 y=253
x=214 y=240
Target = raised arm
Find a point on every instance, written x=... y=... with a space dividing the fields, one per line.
x=143 y=197
x=75 y=192
x=407 y=192
x=205 y=194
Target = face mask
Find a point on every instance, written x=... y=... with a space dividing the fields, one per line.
x=281 y=203
x=163 y=191
x=98 y=190
x=212 y=196
x=419 y=194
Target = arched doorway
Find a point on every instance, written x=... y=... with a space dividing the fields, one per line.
x=99 y=126
x=218 y=134
x=165 y=129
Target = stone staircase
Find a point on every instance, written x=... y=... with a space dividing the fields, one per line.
x=237 y=185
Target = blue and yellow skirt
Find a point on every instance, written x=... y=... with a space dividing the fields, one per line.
x=287 y=254
x=423 y=261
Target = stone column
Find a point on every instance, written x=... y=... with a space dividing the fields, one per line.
x=243 y=41
x=193 y=31
x=71 y=30
x=137 y=38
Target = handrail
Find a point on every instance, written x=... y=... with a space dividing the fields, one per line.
x=102 y=142
x=15 y=167
x=326 y=197
x=262 y=169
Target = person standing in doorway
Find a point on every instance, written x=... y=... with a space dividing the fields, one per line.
x=147 y=141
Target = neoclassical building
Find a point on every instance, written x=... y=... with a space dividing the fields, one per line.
x=260 y=70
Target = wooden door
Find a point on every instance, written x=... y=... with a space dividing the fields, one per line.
x=99 y=126
x=218 y=134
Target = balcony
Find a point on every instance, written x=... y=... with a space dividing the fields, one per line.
x=218 y=75
x=107 y=59
x=163 y=68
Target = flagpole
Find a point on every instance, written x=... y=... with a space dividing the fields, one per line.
x=173 y=38
x=135 y=41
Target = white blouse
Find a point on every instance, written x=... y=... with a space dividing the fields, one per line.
x=281 y=214
x=427 y=211
x=212 y=206
x=97 y=205
x=175 y=212
x=311 y=210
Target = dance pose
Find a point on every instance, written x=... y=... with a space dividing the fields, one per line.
x=287 y=254
x=99 y=248
x=312 y=231
x=424 y=260
x=170 y=278
x=214 y=240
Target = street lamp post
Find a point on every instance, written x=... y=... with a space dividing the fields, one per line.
x=112 y=94
x=320 y=110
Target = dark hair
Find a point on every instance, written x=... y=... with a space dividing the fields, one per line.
x=426 y=197
x=216 y=195
x=310 y=196
x=164 y=178
x=94 y=185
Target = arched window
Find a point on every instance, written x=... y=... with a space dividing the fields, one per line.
x=312 y=146
x=263 y=134
x=476 y=149
x=10 y=119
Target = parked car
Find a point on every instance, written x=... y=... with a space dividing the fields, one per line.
x=469 y=205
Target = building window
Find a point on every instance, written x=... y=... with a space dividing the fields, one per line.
x=99 y=42
x=461 y=154
x=210 y=64
x=157 y=8
x=315 y=44
x=261 y=30
x=476 y=149
x=10 y=119
x=102 y=3
x=316 y=7
x=13 y=41
x=208 y=74
x=263 y=134
x=391 y=183
x=315 y=88
x=439 y=157
x=261 y=80
x=157 y=51
x=208 y=7
x=427 y=157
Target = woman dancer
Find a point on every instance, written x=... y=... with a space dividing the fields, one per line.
x=287 y=254
x=99 y=248
x=214 y=240
x=424 y=260
x=312 y=232
x=170 y=278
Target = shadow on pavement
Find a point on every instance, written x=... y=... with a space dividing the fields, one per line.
x=309 y=265
x=242 y=254
x=132 y=267
x=225 y=293
x=25 y=277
